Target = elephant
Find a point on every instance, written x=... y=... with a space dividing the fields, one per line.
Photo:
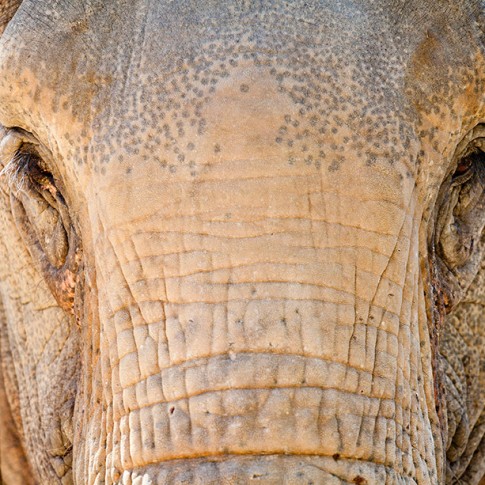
x=242 y=242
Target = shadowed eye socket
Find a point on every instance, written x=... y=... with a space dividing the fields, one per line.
x=41 y=213
x=42 y=205
x=468 y=165
x=459 y=238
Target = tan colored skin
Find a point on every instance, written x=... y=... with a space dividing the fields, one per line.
x=250 y=292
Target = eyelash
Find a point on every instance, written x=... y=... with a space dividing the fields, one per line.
x=26 y=168
x=15 y=171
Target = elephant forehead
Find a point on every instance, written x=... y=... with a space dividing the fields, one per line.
x=254 y=98
x=118 y=70
x=251 y=133
x=246 y=119
x=170 y=84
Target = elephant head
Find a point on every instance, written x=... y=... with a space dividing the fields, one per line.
x=242 y=242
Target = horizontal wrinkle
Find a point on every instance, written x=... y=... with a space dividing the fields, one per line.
x=196 y=220
x=222 y=457
x=240 y=178
x=229 y=299
x=402 y=430
x=200 y=361
x=262 y=221
x=302 y=247
x=260 y=264
x=416 y=414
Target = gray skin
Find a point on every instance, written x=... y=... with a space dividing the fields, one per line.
x=242 y=242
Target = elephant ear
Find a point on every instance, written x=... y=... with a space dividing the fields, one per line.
x=463 y=362
x=7 y=11
x=14 y=467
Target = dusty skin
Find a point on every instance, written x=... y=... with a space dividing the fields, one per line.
x=242 y=241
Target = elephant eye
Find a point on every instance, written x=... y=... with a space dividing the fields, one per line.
x=459 y=239
x=468 y=165
x=38 y=204
x=41 y=214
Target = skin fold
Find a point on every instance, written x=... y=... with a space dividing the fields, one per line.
x=242 y=242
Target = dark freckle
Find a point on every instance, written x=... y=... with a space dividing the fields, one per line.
x=190 y=146
x=336 y=456
x=371 y=161
x=244 y=88
x=217 y=148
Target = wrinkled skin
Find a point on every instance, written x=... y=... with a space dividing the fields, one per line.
x=242 y=242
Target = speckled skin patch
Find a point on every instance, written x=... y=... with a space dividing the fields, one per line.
x=254 y=184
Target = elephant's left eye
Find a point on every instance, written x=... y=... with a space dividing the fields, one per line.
x=459 y=237
x=469 y=165
x=41 y=214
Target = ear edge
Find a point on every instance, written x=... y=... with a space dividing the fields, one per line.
x=7 y=11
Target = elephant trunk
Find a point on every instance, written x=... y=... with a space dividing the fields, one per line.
x=283 y=340
x=243 y=383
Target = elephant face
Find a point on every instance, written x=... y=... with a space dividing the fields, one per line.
x=242 y=242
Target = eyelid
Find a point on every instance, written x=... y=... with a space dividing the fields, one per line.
x=9 y=146
x=12 y=162
x=11 y=143
x=463 y=178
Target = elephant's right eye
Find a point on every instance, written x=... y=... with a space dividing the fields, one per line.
x=38 y=205
x=41 y=214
